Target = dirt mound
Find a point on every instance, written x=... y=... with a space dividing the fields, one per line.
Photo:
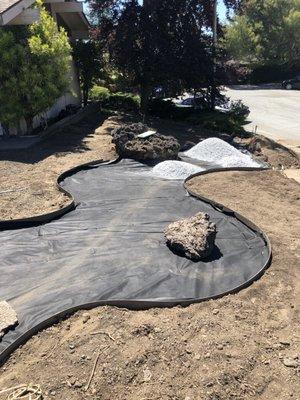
x=192 y=237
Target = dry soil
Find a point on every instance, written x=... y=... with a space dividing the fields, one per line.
x=243 y=346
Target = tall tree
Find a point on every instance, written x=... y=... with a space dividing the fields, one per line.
x=89 y=63
x=34 y=69
x=266 y=32
x=165 y=42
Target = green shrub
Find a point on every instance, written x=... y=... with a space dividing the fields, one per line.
x=238 y=110
x=218 y=121
x=123 y=101
x=99 y=93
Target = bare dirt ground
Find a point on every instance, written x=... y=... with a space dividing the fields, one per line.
x=28 y=177
x=243 y=346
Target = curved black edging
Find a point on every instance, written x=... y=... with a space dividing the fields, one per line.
x=220 y=207
x=130 y=304
x=20 y=223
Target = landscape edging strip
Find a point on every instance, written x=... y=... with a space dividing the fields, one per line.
x=19 y=223
x=130 y=304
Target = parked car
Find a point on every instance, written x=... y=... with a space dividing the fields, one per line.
x=292 y=83
x=190 y=102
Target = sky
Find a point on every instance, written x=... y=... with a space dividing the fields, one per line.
x=221 y=10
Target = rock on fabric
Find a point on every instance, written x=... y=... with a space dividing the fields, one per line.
x=111 y=249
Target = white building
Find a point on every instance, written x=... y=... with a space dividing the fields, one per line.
x=68 y=14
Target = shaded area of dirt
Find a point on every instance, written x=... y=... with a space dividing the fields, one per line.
x=28 y=177
x=235 y=348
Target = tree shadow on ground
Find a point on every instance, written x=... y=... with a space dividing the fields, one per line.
x=69 y=138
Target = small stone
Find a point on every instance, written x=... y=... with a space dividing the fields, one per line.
x=71 y=346
x=147 y=375
x=207 y=355
x=78 y=384
x=215 y=311
x=53 y=393
x=290 y=362
x=284 y=342
x=85 y=317
x=220 y=347
x=197 y=356
x=73 y=381
x=68 y=326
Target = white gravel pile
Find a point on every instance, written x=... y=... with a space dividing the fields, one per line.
x=233 y=161
x=175 y=169
x=217 y=151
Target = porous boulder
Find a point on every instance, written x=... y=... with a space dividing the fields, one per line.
x=152 y=147
x=192 y=237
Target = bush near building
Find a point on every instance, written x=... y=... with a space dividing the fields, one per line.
x=34 y=69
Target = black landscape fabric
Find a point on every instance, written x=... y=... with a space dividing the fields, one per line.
x=111 y=249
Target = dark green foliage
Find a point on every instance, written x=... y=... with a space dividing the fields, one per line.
x=89 y=64
x=99 y=93
x=34 y=68
x=217 y=121
x=123 y=101
x=229 y=121
x=265 y=32
x=116 y=101
x=160 y=43
x=274 y=72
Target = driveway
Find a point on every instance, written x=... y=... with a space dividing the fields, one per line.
x=274 y=112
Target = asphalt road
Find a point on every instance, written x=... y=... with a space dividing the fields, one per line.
x=274 y=113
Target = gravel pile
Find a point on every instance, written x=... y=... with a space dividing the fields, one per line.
x=242 y=161
x=175 y=169
x=217 y=151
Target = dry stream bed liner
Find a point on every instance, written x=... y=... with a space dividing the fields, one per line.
x=231 y=348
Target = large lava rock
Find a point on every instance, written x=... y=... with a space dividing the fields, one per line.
x=192 y=237
x=153 y=147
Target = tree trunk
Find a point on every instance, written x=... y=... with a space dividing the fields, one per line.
x=29 y=124
x=215 y=40
x=85 y=95
x=145 y=94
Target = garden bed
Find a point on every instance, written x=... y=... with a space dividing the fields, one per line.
x=237 y=347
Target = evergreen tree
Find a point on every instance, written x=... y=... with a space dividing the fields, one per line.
x=34 y=68
x=159 y=42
